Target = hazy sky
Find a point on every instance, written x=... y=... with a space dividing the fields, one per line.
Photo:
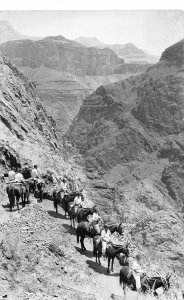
x=150 y=30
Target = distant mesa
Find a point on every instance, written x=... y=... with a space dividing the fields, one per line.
x=129 y=51
x=61 y=54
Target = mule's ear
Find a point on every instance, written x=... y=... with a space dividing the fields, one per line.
x=168 y=276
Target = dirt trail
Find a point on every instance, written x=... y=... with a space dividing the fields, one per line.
x=108 y=283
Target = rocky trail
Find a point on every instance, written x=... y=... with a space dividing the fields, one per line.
x=40 y=258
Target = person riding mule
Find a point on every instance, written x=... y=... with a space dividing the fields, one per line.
x=106 y=238
x=64 y=188
x=11 y=175
x=75 y=207
x=35 y=176
x=137 y=271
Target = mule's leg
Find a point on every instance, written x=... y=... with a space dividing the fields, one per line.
x=71 y=221
x=28 y=197
x=17 y=199
x=99 y=258
x=108 y=268
x=112 y=263
x=82 y=244
x=40 y=196
x=24 y=200
x=11 y=204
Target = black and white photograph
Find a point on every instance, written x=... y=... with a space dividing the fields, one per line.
x=91 y=154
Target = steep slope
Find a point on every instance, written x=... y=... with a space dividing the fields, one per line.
x=27 y=133
x=128 y=51
x=8 y=33
x=130 y=135
x=37 y=257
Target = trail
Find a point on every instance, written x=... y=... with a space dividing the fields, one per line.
x=107 y=284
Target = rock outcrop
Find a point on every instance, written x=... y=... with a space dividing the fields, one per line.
x=174 y=54
x=130 y=135
x=61 y=54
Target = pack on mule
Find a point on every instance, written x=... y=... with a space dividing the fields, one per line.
x=126 y=278
x=112 y=251
x=83 y=229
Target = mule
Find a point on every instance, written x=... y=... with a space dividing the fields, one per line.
x=116 y=228
x=73 y=214
x=83 y=213
x=80 y=214
x=97 y=242
x=97 y=248
x=126 y=278
x=11 y=195
x=112 y=251
x=83 y=230
x=65 y=202
x=40 y=187
x=17 y=191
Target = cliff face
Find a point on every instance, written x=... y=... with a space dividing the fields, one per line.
x=27 y=134
x=62 y=54
x=130 y=135
x=174 y=54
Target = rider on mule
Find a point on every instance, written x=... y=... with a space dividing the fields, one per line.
x=106 y=238
x=64 y=188
x=77 y=203
x=35 y=176
x=18 y=177
x=11 y=175
x=137 y=271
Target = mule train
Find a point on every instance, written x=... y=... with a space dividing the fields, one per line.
x=92 y=229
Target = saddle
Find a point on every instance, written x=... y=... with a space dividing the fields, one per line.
x=115 y=246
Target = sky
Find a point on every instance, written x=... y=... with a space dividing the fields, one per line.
x=151 y=30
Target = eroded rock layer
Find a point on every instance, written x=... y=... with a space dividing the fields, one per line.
x=130 y=135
